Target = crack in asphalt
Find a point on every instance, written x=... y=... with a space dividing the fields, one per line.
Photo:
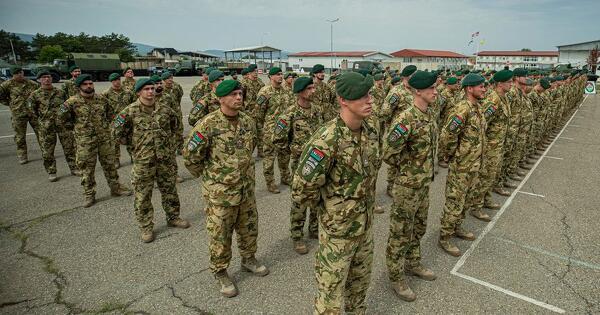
x=184 y=303
x=11 y=303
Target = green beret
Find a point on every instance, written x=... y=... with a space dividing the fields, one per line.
x=215 y=75
x=81 y=78
x=166 y=75
x=288 y=74
x=503 y=76
x=492 y=81
x=421 y=80
x=396 y=79
x=155 y=78
x=317 y=68
x=139 y=84
x=227 y=86
x=128 y=68
x=43 y=73
x=452 y=80
x=560 y=78
x=467 y=71
x=545 y=83
x=378 y=77
x=73 y=68
x=458 y=73
x=252 y=67
x=408 y=70
x=208 y=70
x=301 y=84
x=472 y=79
x=364 y=72
x=274 y=70
x=529 y=82
x=113 y=76
x=352 y=85
x=245 y=71
x=15 y=70
x=520 y=72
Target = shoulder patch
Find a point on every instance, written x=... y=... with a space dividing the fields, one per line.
x=197 y=108
x=315 y=156
x=490 y=111
x=64 y=107
x=394 y=99
x=281 y=125
x=456 y=122
x=399 y=130
x=196 y=140
x=261 y=100
x=119 y=121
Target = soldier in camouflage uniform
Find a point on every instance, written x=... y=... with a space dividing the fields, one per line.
x=14 y=93
x=118 y=98
x=408 y=147
x=272 y=100
x=174 y=90
x=129 y=81
x=44 y=104
x=69 y=87
x=323 y=97
x=461 y=143
x=90 y=114
x=219 y=150
x=288 y=83
x=397 y=100
x=496 y=112
x=201 y=87
x=149 y=127
x=336 y=173
x=209 y=102
x=293 y=129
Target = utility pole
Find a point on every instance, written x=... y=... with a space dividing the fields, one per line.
x=13 y=50
x=331 y=40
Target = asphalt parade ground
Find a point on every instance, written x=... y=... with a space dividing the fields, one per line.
x=539 y=255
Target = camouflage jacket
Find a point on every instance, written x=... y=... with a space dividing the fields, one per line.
x=118 y=100
x=398 y=99
x=294 y=127
x=462 y=137
x=44 y=105
x=176 y=91
x=408 y=147
x=149 y=130
x=250 y=96
x=271 y=101
x=378 y=94
x=323 y=99
x=525 y=108
x=220 y=152
x=207 y=104
x=337 y=172
x=90 y=117
x=496 y=112
x=15 y=94
x=199 y=90
x=168 y=100
x=128 y=84
x=69 y=88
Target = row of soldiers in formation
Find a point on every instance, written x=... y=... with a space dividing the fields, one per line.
x=485 y=127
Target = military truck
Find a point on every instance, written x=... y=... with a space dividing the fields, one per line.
x=367 y=65
x=98 y=65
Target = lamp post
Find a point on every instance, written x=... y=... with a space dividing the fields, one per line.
x=331 y=35
x=262 y=52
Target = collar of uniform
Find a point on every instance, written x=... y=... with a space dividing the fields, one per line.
x=419 y=114
x=346 y=133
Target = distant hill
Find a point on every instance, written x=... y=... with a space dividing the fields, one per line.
x=143 y=49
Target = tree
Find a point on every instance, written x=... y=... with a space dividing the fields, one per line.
x=525 y=49
x=21 y=48
x=84 y=43
x=51 y=52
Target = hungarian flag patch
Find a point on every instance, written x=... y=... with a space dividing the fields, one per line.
x=197 y=108
x=119 y=121
x=456 y=122
x=399 y=130
x=315 y=156
x=490 y=111
x=281 y=125
x=196 y=140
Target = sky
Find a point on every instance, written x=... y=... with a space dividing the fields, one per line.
x=293 y=26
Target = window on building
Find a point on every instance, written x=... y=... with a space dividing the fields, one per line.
x=407 y=59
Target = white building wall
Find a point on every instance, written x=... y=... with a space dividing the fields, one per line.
x=338 y=62
x=422 y=63
x=498 y=62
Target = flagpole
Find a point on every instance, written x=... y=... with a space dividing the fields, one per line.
x=476 y=54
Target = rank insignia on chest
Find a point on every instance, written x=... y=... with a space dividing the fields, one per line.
x=119 y=121
x=399 y=130
x=490 y=111
x=281 y=125
x=196 y=140
x=394 y=99
x=315 y=156
x=456 y=122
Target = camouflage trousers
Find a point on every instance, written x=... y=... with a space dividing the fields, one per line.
x=143 y=176
x=458 y=186
x=343 y=273
x=20 y=127
x=90 y=150
x=408 y=222
x=260 y=135
x=519 y=149
x=48 y=132
x=508 y=150
x=294 y=160
x=490 y=170
x=297 y=219
x=270 y=154
x=222 y=221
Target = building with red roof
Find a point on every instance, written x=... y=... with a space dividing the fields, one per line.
x=338 y=59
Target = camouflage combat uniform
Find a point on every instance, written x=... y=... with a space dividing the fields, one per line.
x=128 y=84
x=408 y=147
x=207 y=104
x=69 y=88
x=293 y=129
x=173 y=101
x=199 y=90
x=336 y=173
x=461 y=143
x=219 y=150
x=44 y=105
x=251 y=108
x=324 y=100
x=14 y=94
x=150 y=131
x=118 y=100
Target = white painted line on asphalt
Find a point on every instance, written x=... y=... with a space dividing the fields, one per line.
x=495 y=219
x=553 y=157
x=510 y=293
x=566 y=138
x=551 y=254
x=532 y=194
x=576 y=126
x=10 y=136
x=4 y=110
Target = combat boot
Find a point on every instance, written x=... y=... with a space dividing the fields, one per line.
x=117 y=164
x=147 y=235
x=52 y=178
x=23 y=160
x=464 y=234
x=313 y=235
x=515 y=177
x=421 y=272
x=535 y=155
x=178 y=223
x=492 y=205
x=273 y=188
x=521 y=173
x=89 y=201
x=286 y=180
x=390 y=190
x=378 y=209
x=508 y=184
x=443 y=164
x=228 y=289
x=300 y=247
x=525 y=166
x=530 y=161
x=120 y=190
x=179 y=179
x=252 y=265
x=76 y=172
x=481 y=215
x=500 y=191
x=403 y=291
x=448 y=247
